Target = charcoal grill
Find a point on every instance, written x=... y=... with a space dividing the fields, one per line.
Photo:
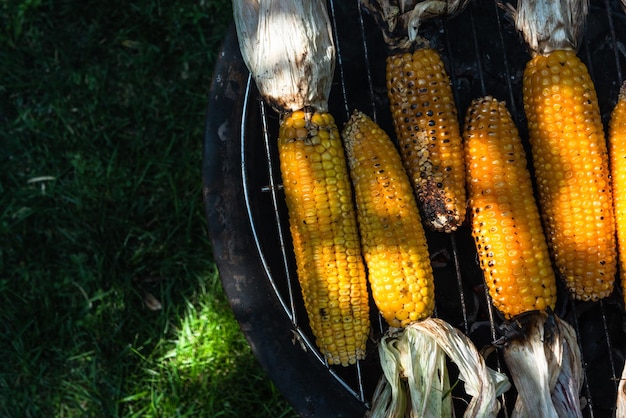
x=249 y=229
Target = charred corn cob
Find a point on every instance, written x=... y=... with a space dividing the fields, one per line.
x=506 y=225
x=617 y=152
x=288 y=48
x=424 y=113
x=392 y=235
x=427 y=128
x=325 y=236
x=569 y=150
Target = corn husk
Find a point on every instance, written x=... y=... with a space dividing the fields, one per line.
x=400 y=20
x=288 y=48
x=543 y=357
x=549 y=25
x=620 y=408
x=415 y=380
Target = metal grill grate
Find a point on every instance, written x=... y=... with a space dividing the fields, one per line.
x=484 y=55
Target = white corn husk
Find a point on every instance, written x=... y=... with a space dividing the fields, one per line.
x=415 y=381
x=288 y=48
x=620 y=408
x=570 y=380
x=549 y=25
x=545 y=365
x=390 y=396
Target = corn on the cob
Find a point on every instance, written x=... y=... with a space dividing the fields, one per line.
x=325 y=236
x=513 y=254
x=617 y=152
x=506 y=225
x=288 y=48
x=571 y=163
x=569 y=150
x=401 y=277
x=392 y=235
x=424 y=111
x=427 y=128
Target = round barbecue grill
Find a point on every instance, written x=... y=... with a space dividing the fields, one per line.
x=248 y=223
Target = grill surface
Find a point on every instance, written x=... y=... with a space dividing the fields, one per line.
x=249 y=229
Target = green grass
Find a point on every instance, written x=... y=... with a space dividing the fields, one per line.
x=111 y=302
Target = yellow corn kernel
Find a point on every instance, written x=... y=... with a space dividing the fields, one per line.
x=506 y=224
x=570 y=158
x=392 y=235
x=617 y=152
x=323 y=227
x=427 y=127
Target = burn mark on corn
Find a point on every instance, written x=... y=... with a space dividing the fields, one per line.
x=427 y=130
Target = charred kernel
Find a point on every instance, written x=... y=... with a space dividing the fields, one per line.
x=504 y=215
x=392 y=235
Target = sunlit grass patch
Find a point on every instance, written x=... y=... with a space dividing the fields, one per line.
x=207 y=354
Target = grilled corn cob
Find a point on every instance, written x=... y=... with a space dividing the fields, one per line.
x=415 y=347
x=506 y=225
x=288 y=48
x=427 y=128
x=513 y=254
x=569 y=150
x=424 y=112
x=392 y=235
x=617 y=152
x=325 y=235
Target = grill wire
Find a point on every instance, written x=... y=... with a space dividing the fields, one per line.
x=483 y=55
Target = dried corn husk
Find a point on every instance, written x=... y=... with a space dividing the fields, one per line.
x=288 y=48
x=416 y=382
x=620 y=409
x=400 y=20
x=549 y=25
x=543 y=356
